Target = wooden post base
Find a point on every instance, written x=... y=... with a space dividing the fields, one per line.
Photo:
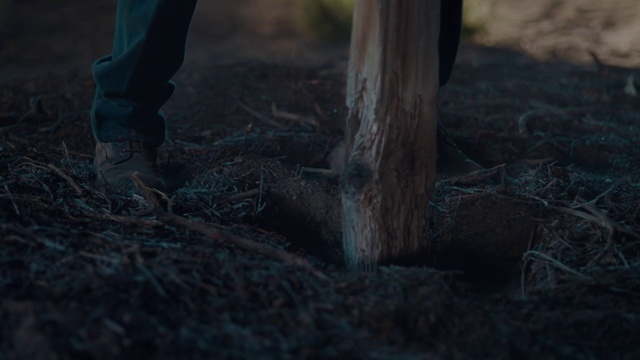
x=390 y=135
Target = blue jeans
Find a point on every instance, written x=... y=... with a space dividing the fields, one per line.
x=135 y=80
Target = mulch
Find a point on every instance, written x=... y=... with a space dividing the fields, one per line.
x=538 y=256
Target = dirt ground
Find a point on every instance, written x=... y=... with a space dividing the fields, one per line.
x=538 y=257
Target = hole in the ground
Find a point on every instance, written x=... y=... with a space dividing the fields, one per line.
x=307 y=212
x=483 y=274
x=482 y=235
x=297 y=231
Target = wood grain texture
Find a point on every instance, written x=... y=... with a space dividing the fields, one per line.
x=390 y=133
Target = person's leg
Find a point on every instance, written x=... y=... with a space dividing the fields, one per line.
x=451 y=161
x=449 y=39
x=133 y=83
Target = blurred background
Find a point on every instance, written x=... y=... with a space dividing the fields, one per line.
x=40 y=36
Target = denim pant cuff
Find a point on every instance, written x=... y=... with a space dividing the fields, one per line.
x=128 y=135
x=122 y=119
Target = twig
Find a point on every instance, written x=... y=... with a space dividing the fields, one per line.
x=320 y=113
x=555 y=262
x=261 y=117
x=27 y=199
x=220 y=235
x=71 y=182
x=35 y=109
x=524 y=119
x=477 y=176
x=59 y=121
x=241 y=195
x=542 y=161
x=152 y=279
x=329 y=172
x=129 y=220
x=260 y=205
x=166 y=198
x=98 y=257
x=11 y=198
x=30 y=234
x=36 y=164
x=147 y=192
x=241 y=242
x=610 y=225
x=294 y=117
x=599 y=218
x=523 y=268
x=68 y=158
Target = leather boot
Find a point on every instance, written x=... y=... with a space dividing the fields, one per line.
x=115 y=162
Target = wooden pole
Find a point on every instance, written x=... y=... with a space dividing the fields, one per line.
x=390 y=136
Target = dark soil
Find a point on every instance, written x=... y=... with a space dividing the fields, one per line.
x=538 y=257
